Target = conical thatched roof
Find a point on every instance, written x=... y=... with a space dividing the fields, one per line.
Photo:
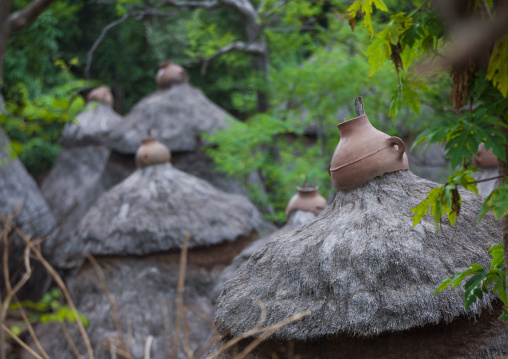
x=151 y=210
x=92 y=125
x=145 y=292
x=176 y=116
x=360 y=267
x=297 y=219
x=18 y=191
x=80 y=176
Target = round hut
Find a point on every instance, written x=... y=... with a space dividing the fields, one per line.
x=137 y=230
x=20 y=197
x=85 y=167
x=486 y=161
x=177 y=114
x=368 y=277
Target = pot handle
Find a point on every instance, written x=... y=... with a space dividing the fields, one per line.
x=394 y=140
x=329 y=168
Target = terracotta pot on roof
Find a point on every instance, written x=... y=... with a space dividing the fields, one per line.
x=102 y=94
x=484 y=158
x=152 y=152
x=363 y=153
x=307 y=199
x=170 y=73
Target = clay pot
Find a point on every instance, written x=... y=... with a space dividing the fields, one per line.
x=364 y=153
x=169 y=74
x=307 y=199
x=102 y=94
x=152 y=152
x=484 y=158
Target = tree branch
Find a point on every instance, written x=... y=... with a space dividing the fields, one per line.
x=253 y=48
x=209 y=5
x=23 y=17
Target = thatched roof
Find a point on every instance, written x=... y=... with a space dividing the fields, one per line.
x=151 y=210
x=80 y=176
x=19 y=190
x=297 y=219
x=92 y=125
x=176 y=116
x=360 y=267
x=145 y=292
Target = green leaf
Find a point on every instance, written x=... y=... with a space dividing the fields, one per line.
x=497 y=202
x=497 y=71
x=366 y=7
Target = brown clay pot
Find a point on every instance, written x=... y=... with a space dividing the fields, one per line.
x=307 y=199
x=169 y=74
x=152 y=152
x=102 y=94
x=364 y=153
x=484 y=158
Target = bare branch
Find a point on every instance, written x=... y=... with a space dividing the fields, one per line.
x=253 y=48
x=23 y=17
x=89 y=54
x=209 y=5
x=275 y=7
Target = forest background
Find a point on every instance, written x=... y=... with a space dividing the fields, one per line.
x=285 y=68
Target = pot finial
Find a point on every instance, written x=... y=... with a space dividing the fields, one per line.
x=170 y=73
x=152 y=152
x=307 y=199
x=364 y=152
x=102 y=94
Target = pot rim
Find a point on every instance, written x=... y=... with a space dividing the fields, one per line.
x=345 y=123
x=307 y=189
x=149 y=139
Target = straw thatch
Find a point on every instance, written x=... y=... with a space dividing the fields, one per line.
x=176 y=116
x=145 y=293
x=81 y=175
x=151 y=210
x=297 y=219
x=92 y=125
x=360 y=267
x=19 y=193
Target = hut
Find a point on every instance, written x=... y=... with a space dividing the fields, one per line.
x=20 y=196
x=85 y=167
x=367 y=276
x=177 y=114
x=136 y=230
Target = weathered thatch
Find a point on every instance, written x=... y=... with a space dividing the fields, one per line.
x=484 y=188
x=176 y=116
x=18 y=191
x=360 y=267
x=92 y=125
x=150 y=211
x=145 y=292
x=297 y=219
x=81 y=175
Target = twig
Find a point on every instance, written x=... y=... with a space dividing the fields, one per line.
x=486 y=179
x=251 y=48
x=272 y=328
x=179 y=299
x=70 y=340
x=148 y=345
x=20 y=342
x=167 y=326
x=31 y=329
x=186 y=335
x=111 y=298
x=487 y=9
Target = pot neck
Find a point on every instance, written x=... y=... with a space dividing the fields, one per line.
x=307 y=192
x=353 y=125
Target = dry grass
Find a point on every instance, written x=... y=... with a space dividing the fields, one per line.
x=117 y=346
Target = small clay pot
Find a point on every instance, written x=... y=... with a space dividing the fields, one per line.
x=102 y=94
x=169 y=74
x=484 y=158
x=307 y=199
x=152 y=152
x=363 y=153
